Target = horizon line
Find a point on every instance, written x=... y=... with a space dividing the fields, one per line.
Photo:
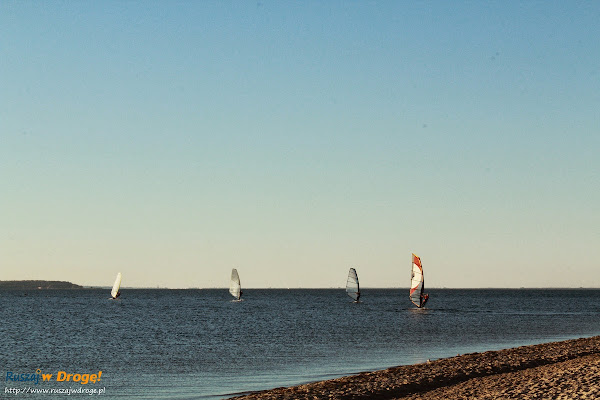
x=340 y=287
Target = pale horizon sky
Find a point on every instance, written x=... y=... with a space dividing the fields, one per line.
x=174 y=141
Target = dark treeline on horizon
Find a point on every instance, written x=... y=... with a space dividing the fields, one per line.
x=35 y=285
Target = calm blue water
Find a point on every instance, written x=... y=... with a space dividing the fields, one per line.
x=197 y=344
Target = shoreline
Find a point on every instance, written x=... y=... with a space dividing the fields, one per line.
x=568 y=369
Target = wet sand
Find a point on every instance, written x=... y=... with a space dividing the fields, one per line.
x=558 y=370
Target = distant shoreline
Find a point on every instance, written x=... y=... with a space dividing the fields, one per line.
x=570 y=367
x=38 y=285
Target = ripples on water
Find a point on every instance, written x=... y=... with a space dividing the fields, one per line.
x=193 y=344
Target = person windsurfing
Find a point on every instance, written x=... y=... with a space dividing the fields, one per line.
x=424 y=298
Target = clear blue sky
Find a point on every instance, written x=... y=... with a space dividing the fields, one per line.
x=173 y=141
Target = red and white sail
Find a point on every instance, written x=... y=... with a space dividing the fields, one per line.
x=417 y=282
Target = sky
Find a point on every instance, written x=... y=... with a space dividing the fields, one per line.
x=174 y=141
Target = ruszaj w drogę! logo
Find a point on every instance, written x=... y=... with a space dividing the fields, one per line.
x=61 y=376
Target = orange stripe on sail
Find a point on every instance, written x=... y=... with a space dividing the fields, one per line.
x=416 y=260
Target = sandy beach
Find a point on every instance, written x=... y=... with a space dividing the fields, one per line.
x=558 y=370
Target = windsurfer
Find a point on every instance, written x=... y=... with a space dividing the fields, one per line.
x=424 y=298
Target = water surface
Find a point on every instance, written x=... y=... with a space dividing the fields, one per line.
x=197 y=344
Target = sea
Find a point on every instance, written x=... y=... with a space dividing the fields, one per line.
x=199 y=344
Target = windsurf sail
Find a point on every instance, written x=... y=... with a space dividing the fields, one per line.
x=352 y=287
x=417 y=283
x=115 y=290
x=235 y=288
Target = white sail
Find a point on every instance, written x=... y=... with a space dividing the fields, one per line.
x=417 y=283
x=352 y=287
x=115 y=290
x=235 y=288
